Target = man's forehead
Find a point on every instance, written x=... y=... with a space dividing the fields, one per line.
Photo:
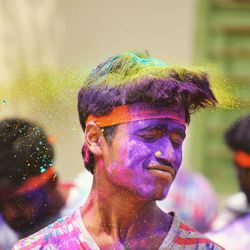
x=148 y=124
x=136 y=112
x=139 y=108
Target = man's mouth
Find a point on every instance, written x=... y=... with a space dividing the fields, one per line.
x=162 y=171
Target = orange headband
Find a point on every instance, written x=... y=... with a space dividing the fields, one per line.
x=32 y=183
x=120 y=114
x=242 y=159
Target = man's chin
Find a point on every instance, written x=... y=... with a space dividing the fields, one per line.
x=161 y=195
x=153 y=194
x=158 y=195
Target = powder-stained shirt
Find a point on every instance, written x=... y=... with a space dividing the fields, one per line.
x=70 y=233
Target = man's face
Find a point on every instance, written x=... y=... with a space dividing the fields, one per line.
x=144 y=156
x=24 y=212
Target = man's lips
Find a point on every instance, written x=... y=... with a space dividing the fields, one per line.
x=162 y=170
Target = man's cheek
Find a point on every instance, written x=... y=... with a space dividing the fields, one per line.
x=178 y=159
x=138 y=151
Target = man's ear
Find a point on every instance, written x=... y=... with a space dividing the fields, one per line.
x=93 y=136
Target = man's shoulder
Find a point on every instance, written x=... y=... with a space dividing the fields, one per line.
x=189 y=238
x=52 y=236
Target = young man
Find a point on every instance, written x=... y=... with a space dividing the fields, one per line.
x=134 y=110
x=31 y=196
x=231 y=228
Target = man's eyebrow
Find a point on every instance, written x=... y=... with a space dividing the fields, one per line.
x=152 y=127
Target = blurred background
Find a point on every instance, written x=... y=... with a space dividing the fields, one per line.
x=48 y=46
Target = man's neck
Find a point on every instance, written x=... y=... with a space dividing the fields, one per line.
x=122 y=217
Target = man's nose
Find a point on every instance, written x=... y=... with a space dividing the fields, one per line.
x=166 y=151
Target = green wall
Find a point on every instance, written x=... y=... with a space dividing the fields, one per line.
x=222 y=39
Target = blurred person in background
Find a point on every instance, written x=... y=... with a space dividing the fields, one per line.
x=232 y=227
x=134 y=110
x=31 y=195
x=193 y=199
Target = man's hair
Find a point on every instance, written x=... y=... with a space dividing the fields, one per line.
x=237 y=136
x=135 y=77
x=24 y=152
